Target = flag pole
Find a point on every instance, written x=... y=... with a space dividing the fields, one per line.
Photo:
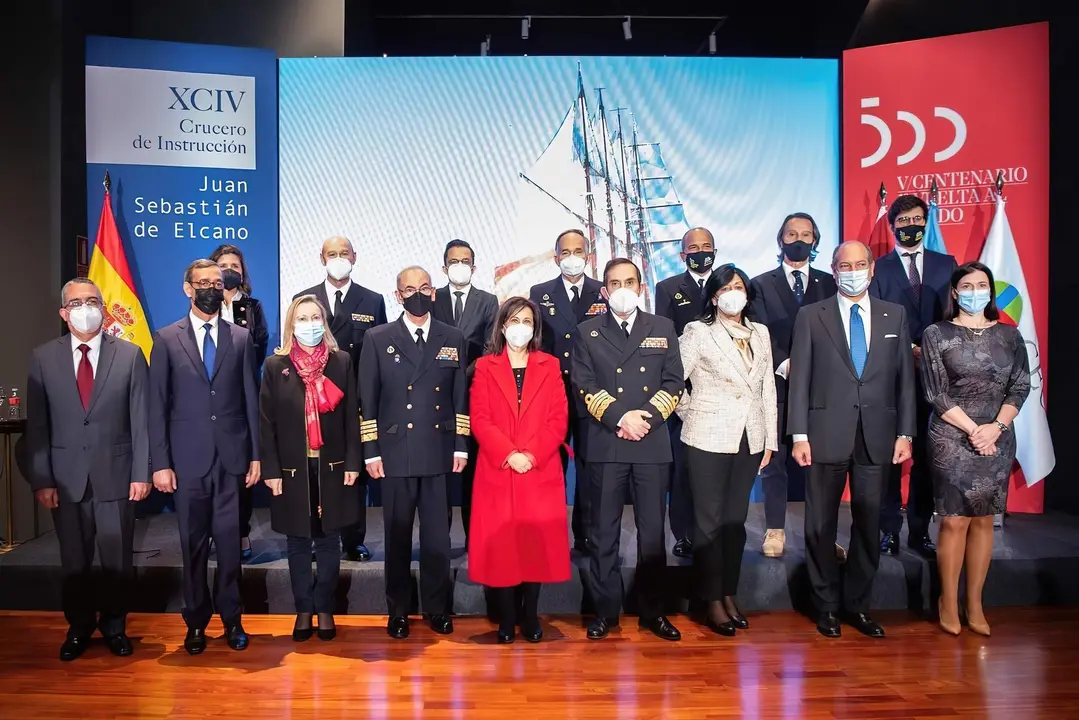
x=107 y=182
x=933 y=190
x=882 y=194
x=1000 y=184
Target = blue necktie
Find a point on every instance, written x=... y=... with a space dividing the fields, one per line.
x=858 y=350
x=209 y=352
x=799 y=288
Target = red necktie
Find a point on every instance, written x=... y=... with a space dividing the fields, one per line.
x=85 y=377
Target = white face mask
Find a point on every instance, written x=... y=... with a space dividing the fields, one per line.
x=85 y=319
x=459 y=274
x=623 y=300
x=572 y=265
x=731 y=302
x=853 y=282
x=338 y=268
x=517 y=336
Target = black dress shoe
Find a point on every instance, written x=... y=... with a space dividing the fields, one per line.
x=683 y=549
x=581 y=545
x=505 y=637
x=73 y=647
x=889 y=544
x=828 y=625
x=397 y=628
x=119 y=645
x=532 y=632
x=441 y=624
x=924 y=547
x=195 y=642
x=865 y=625
x=236 y=637
x=302 y=629
x=327 y=628
x=360 y=553
x=661 y=627
x=726 y=629
x=601 y=628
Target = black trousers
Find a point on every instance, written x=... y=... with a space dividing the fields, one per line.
x=577 y=431
x=314 y=595
x=401 y=498
x=824 y=492
x=517 y=605
x=776 y=478
x=920 y=497
x=721 y=484
x=210 y=507
x=466 y=480
x=355 y=535
x=110 y=526
x=648 y=486
x=680 y=512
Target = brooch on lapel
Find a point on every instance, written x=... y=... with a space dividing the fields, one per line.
x=546 y=297
x=594 y=333
x=285 y=372
x=552 y=311
x=390 y=350
x=397 y=358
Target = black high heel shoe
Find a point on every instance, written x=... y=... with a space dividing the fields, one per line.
x=726 y=628
x=327 y=629
x=302 y=630
x=737 y=618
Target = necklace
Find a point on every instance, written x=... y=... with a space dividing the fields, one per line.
x=977 y=331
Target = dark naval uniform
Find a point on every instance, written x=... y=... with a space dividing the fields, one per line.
x=361 y=310
x=414 y=417
x=678 y=299
x=613 y=374
x=561 y=316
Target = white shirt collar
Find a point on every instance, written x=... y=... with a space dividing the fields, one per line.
x=845 y=304
x=331 y=293
x=464 y=292
x=789 y=271
x=197 y=322
x=630 y=319
x=412 y=328
x=901 y=251
x=579 y=284
x=93 y=343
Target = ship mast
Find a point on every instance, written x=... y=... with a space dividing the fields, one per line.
x=642 y=238
x=582 y=108
x=607 y=173
x=625 y=185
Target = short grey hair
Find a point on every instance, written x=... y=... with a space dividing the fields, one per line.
x=79 y=281
x=868 y=252
x=200 y=264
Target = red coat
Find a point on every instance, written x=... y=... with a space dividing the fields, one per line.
x=518 y=532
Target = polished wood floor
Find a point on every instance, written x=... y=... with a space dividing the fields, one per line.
x=778 y=669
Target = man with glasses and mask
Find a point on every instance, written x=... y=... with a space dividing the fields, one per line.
x=920 y=281
x=415 y=428
x=89 y=452
x=204 y=442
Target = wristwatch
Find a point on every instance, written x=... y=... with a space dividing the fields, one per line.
x=908 y=438
x=1002 y=426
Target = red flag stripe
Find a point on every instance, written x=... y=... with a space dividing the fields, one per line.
x=109 y=243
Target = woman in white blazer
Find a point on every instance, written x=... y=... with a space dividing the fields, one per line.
x=729 y=432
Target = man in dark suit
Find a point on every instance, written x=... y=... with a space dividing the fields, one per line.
x=778 y=295
x=472 y=311
x=353 y=311
x=414 y=430
x=920 y=281
x=678 y=298
x=628 y=373
x=564 y=302
x=851 y=409
x=89 y=462
x=204 y=420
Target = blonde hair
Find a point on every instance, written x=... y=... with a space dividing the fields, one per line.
x=287 y=335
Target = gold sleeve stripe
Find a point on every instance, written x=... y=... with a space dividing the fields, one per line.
x=464 y=425
x=368 y=430
x=664 y=402
x=371 y=436
x=598 y=403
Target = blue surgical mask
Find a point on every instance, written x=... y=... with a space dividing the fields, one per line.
x=974 y=301
x=309 y=334
x=853 y=282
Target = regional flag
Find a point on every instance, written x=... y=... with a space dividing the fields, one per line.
x=1034 y=446
x=934 y=240
x=881 y=242
x=123 y=314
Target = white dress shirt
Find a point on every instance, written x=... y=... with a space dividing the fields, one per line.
x=331 y=294
x=918 y=261
x=197 y=324
x=845 y=304
x=698 y=278
x=570 y=285
x=789 y=271
x=629 y=319
x=227 y=313
x=453 y=299
x=93 y=355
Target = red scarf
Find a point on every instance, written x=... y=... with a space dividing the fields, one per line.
x=320 y=393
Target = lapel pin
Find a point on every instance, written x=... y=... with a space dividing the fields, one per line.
x=594 y=333
x=390 y=350
x=552 y=311
x=546 y=297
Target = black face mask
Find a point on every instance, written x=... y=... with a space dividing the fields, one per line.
x=910 y=235
x=232 y=279
x=701 y=261
x=797 y=251
x=208 y=300
x=418 y=304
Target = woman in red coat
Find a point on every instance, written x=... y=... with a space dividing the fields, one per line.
x=518 y=536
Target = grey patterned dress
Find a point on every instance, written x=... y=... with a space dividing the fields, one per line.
x=979 y=373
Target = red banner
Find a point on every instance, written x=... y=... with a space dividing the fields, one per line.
x=957 y=110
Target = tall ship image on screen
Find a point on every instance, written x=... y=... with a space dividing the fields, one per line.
x=596 y=174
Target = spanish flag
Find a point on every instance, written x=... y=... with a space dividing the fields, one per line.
x=124 y=317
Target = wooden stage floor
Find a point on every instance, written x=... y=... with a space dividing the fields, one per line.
x=779 y=669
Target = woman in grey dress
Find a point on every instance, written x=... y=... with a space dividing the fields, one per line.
x=976 y=376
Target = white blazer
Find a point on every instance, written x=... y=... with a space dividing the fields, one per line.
x=727 y=400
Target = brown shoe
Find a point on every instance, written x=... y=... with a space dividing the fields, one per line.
x=774 y=542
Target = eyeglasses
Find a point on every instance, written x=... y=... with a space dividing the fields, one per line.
x=207 y=284
x=409 y=292
x=910 y=220
x=89 y=302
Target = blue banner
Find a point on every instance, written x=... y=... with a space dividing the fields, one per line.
x=188 y=134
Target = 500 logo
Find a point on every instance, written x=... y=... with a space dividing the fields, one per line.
x=916 y=123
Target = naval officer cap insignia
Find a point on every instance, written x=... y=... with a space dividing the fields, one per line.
x=594 y=333
x=390 y=350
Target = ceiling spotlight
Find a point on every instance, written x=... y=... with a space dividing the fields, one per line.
x=627 y=30
x=712 y=44
x=526 y=23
